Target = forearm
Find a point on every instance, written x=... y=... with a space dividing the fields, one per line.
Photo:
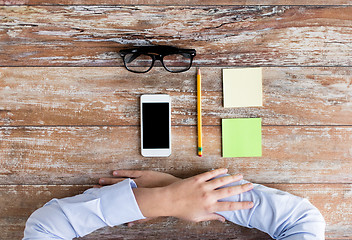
x=82 y=214
x=280 y=214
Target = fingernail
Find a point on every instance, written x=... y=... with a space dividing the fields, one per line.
x=114 y=173
x=249 y=186
x=130 y=224
x=239 y=175
x=101 y=181
x=251 y=204
x=221 y=220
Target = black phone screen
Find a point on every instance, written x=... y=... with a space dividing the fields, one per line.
x=155 y=125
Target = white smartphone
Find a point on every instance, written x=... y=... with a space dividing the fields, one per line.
x=156 y=125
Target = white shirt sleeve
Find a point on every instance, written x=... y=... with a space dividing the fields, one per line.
x=280 y=214
x=80 y=215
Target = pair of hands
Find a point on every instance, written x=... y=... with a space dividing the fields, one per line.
x=195 y=198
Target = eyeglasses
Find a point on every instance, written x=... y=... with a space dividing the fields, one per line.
x=141 y=59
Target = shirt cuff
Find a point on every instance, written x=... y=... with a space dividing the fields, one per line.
x=118 y=203
x=98 y=207
x=280 y=214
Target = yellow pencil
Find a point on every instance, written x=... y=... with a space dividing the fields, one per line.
x=199 y=112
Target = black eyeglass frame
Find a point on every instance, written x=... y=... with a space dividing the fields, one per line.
x=157 y=53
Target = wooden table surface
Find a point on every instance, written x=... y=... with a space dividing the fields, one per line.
x=69 y=111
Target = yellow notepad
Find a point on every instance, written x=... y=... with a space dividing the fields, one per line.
x=242 y=87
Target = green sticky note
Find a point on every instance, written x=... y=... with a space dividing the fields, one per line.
x=242 y=137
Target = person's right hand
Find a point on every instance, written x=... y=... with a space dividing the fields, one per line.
x=143 y=178
x=194 y=199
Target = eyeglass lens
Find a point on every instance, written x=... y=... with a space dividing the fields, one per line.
x=142 y=62
x=138 y=62
x=177 y=62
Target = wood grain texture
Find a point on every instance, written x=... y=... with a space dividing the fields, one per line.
x=76 y=155
x=222 y=35
x=17 y=202
x=174 y=2
x=62 y=127
x=110 y=96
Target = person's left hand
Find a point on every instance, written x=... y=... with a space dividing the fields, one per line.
x=145 y=179
x=194 y=199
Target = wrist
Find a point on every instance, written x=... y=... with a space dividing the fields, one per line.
x=152 y=202
x=165 y=202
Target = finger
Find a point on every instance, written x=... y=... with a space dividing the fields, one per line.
x=212 y=216
x=232 y=206
x=234 y=190
x=130 y=224
x=110 y=181
x=211 y=174
x=143 y=220
x=97 y=186
x=219 y=182
x=128 y=173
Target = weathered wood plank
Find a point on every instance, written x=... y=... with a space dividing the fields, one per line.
x=80 y=155
x=222 y=35
x=173 y=2
x=110 y=96
x=18 y=202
